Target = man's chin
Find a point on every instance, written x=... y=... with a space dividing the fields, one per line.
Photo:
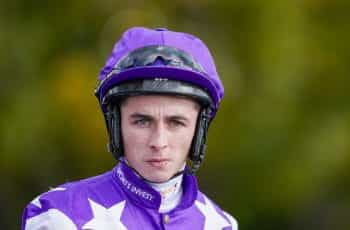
x=159 y=177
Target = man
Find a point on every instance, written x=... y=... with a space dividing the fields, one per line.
x=158 y=92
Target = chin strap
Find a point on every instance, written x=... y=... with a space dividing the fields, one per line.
x=199 y=146
x=112 y=118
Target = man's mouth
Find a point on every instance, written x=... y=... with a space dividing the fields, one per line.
x=158 y=162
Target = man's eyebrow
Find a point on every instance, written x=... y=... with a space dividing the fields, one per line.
x=177 y=117
x=146 y=116
x=140 y=115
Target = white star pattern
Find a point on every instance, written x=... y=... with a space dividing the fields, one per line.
x=232 y=220
x=52 y=219
x=106 y=219
x=36 y=201
x=213 y=220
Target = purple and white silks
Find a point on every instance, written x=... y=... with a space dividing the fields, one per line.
x=118 y=199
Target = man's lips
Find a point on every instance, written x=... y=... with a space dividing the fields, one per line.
x=158 y=162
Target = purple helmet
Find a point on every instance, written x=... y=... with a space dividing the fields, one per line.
x=195 y=66
x=159 y=61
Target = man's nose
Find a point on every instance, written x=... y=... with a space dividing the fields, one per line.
x=159 y=138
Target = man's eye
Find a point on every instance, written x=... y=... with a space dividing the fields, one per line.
x=142 y=122
x=176 y=123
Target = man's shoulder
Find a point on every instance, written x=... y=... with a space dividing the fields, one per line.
x=213 y=211
x=75 y=188
x=69 y=198
x=90 y=183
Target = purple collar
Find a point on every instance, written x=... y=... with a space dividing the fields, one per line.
x=144 y=195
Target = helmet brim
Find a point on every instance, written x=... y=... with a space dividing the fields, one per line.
x=153 y=72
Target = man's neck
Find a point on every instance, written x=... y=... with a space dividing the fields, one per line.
x=170 y=191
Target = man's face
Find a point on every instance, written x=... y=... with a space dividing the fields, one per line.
x=157 y=133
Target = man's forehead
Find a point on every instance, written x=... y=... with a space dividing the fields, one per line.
x=170 y=100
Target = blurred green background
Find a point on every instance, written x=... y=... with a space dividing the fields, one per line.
x=279 y=149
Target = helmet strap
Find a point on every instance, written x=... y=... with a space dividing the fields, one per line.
x=198 y=146
x=112 y=117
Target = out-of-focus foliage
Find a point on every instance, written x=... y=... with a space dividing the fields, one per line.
x=279 y=149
